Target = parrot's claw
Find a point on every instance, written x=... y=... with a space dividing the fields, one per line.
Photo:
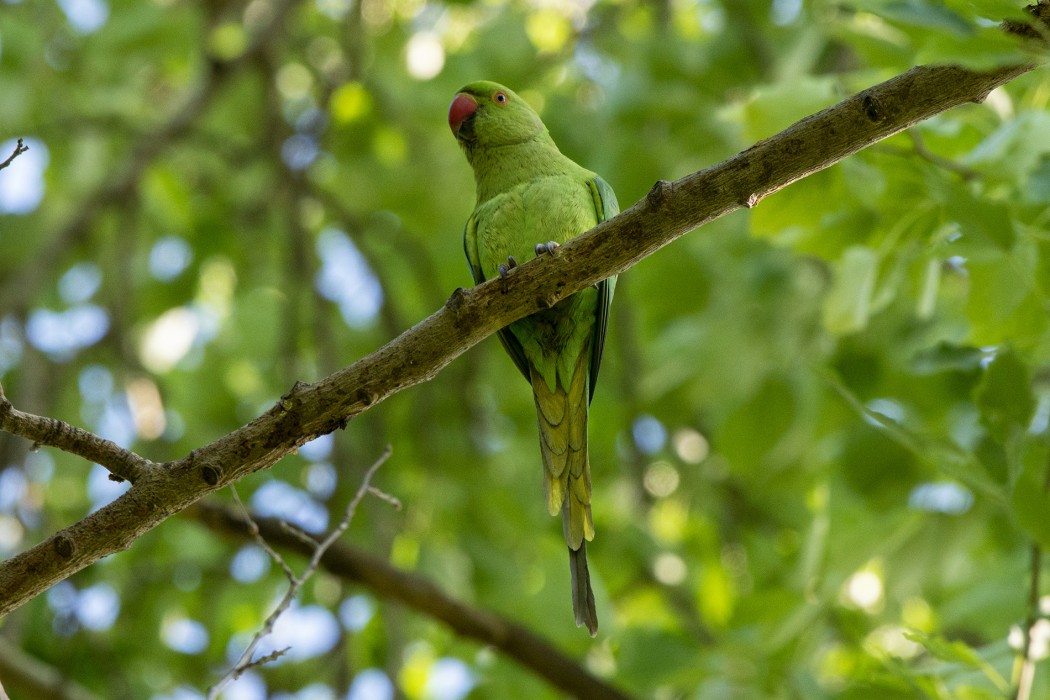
x=549 y=247
x=507 y=266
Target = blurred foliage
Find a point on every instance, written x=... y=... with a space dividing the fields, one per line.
x=820 y=438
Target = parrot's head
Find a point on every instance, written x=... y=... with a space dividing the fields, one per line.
x=485 y=114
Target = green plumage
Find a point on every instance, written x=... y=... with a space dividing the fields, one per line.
x=529 y=193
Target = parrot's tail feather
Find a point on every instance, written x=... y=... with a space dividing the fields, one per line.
x=562 y=416
x=582 y=595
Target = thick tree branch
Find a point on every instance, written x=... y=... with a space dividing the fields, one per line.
x=515 y=641
x=417 y=355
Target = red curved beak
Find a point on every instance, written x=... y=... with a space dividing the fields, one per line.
x=463 y=107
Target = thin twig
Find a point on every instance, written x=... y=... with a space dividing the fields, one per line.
x=299 y=533
x=253 y=527
x=414 y=591
x=920 y=149
x=940 y=161
x=1026 y=675
x=384 y=496
x=296 y=583
x=20 y=148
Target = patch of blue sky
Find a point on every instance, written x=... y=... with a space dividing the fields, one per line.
x=346 y=278
x=61 y=334
x=22 y=186
x=278 y=499
x=85 y=16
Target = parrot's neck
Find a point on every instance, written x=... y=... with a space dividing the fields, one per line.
x=499 y=169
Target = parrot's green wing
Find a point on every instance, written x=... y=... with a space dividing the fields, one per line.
x=606 y=207
x=509 y=342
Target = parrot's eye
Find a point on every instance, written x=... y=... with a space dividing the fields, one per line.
x=500 y=98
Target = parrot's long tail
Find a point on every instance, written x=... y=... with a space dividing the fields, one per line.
x=562 y=415
x=582 y=595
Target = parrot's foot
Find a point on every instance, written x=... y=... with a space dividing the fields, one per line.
x=549 y=247
x=507 y=267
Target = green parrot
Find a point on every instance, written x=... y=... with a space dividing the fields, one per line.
x=530 y=198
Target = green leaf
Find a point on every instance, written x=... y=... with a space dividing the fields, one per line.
x=1004 y=305
x=927 y=16
x=1031 y=505
x=1004 y=395
x=945 y=650
x=775 y=107
x=957 y=653
x=982 y=223
x=947 y=357
x=1015 y=148
x=848 y=305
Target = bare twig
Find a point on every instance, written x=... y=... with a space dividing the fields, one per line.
x=259 y=539
x=20 y=148
x=1026 y=674
x=245 y=661
x=513 y=640
x=384 y=496
x=920 y=149
x=940 y=161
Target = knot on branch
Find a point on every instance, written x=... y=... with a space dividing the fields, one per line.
x=546 y=301
x=872 y=107
x=210 y=475
x=299 y=387
x=64 y=546
x=659 y=193
x=456 y=300
x=366 y=398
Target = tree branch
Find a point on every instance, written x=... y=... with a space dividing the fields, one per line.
x=122 y=464
x=20 y=148
x=515 y=641
x=669 y=211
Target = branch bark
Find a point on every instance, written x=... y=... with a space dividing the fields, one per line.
x=122 y=464
x=669 y=211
